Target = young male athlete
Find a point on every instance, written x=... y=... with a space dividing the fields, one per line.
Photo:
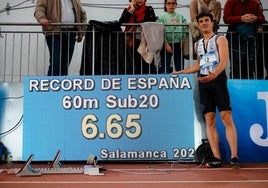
x=212 y=58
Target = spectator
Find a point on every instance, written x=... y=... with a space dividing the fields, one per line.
x=137 y=12
x=196 y=7
x=262 y=48
x=174 y=36
x=244 y=17
x=60 y=39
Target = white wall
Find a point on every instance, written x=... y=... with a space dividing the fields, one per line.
x=112 y=11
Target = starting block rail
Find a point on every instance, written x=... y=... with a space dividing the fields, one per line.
x=56 y=168
x=61 y=170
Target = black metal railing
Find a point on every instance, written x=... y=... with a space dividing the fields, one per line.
x=104 y=51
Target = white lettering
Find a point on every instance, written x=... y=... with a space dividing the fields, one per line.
x=173 y=82
x=111 y=84
x=256 y=130
x=147 y=154
x=65 y=85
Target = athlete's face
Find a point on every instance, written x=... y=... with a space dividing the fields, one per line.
x=205 y=24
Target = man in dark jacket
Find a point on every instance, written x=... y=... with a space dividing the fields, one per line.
x=244 y=17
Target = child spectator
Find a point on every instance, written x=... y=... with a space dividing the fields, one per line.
x=174 y=36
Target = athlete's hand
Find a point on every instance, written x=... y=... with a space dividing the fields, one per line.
x=177 y=72
x=208 y=78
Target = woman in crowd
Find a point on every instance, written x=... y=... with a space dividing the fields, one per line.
x=198 y=6
x=137 y=12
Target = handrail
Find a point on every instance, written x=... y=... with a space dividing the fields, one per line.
x=31 y=46
x=87 y=24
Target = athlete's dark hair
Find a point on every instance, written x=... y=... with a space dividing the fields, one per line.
x=203 y=14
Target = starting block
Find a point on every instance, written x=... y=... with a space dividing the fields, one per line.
x=92 y=170
x=27 y=169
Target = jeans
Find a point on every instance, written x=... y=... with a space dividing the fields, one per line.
x=166 y=58
x=61 y=48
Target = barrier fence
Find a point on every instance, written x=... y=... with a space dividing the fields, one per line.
x=104 y=51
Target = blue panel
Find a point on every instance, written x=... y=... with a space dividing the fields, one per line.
x=250 y=111
x=3 y=96
x=112 y=117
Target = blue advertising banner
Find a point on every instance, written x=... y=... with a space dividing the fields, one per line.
x=249 y=100
x=2 y=102
x=146 y=117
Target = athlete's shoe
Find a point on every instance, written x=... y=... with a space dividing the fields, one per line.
x=214 y=163
x=235 y=163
